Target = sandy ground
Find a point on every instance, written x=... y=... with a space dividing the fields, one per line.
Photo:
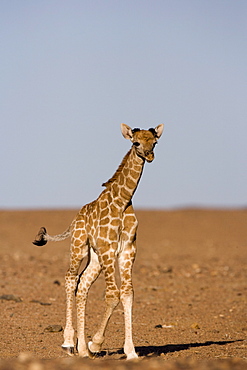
x=190 y=280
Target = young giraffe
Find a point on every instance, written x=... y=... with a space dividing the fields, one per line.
x=105 y=230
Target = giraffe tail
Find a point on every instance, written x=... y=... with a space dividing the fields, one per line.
x=42 y=237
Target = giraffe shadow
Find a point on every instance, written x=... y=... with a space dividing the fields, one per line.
x=170 y=348
x=156 y=351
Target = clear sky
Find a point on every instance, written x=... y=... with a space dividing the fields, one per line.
x=72 y=71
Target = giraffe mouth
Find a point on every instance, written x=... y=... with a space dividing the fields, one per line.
x=147 y=155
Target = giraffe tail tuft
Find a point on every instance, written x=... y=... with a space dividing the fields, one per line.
x=40 y=238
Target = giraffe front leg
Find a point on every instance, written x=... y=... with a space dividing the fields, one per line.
x=111 y=299
x=125 y=261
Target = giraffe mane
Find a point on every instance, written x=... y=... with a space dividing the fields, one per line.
x=120 y=168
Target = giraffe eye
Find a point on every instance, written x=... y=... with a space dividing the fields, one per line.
x=136 y=143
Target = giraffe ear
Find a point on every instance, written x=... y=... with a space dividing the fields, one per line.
x=126 y=131
x=159 y=129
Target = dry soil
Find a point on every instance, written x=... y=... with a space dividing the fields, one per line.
x=190 y=281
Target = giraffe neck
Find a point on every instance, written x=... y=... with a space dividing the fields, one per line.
x=124 y=182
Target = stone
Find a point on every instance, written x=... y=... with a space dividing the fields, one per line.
x=11 y=297
x=53 y=328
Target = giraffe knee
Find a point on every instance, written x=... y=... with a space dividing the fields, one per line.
x=80 y=293
x=71 y=281
x=126 y=290
x=112 y=298
x=127 y=296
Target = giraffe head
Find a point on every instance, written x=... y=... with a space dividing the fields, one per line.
x=143 y=141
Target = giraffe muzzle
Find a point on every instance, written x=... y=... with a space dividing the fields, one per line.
x=149 y=156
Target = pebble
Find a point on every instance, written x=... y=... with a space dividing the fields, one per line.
x=53 y=328
x=57 y=282
x=42 y=303
x=195 y=325
x=159 y=326
x=11 y=297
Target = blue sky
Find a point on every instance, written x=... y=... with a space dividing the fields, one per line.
x=72 y=71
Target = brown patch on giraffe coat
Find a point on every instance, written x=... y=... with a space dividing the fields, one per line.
x=105 y=257
x=130 y=219
x=77 y=250
x=124 y=236
x=121 y=179
x=137 y=167
x=115 y=222
x=103 y=204
x=110 y=269
x=79 y=225
x=105 y=221
x=114 y=210
x=127 y=264
x=130 y=183
x=124 y=193
x=103 y=232
x=91 y=217
x=126 y=275
x=114 y=296
x=77 y=242
x=132 y=255
x=115 y=190
x=89 y=228
x=104 y=212
x=134 y=174
x=113 y=234
x=112 y=254
x=77 y=234
x=102 y=245
x=126 y=172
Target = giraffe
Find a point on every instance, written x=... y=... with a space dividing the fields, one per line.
x=104 y=231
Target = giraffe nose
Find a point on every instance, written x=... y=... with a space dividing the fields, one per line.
x=149 y=155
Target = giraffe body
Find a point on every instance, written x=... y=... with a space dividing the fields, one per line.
x=105 y=231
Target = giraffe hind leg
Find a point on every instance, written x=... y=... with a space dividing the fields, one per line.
x=71 y=278
x=87 y=277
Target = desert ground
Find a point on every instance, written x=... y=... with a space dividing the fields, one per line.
x=190 y=282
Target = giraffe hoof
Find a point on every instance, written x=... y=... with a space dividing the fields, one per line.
x=69 y=350
x=92 y=351
x=132 y=356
